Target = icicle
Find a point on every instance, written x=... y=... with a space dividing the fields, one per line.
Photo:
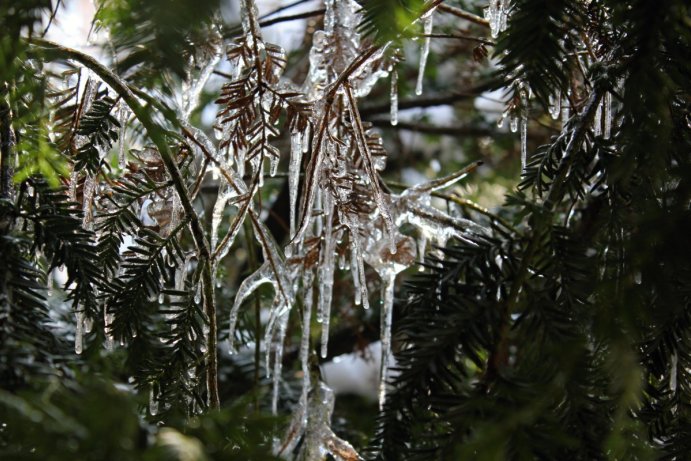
x=389 y=279
x=87 y=205
x=394 y=97
x=524 y=128
x=122 y=158
x=307 y=297
x=356 y=276
x=555 y=105
x=296 y=144
x=74 y=179
x=524 y=141
x=198 y=293
x=107 y=322
x=278 y=361
x=246 y=288
x=153 y=402
x=565 y=110
x=79 y=333
x=493 y=15
x=422 y=247
x=192 y=90
x=597 y=122
x=500 y=122
x=608 y=116
x=306 y=140
x=359 y=266
x=513 y=123
x=427 y=23
x=273 y=165
x=217 y=215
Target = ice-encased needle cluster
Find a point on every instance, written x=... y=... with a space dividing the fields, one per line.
x=343 y=214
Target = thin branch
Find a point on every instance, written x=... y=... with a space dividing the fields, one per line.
x=464 y=15
x=470 y=38
x=235 y=30
x=283 y=8
x=462 y=202
x=431 y=101
x=437 y=129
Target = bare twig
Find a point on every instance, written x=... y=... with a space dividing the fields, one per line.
x=463 y=15
x=431 y=101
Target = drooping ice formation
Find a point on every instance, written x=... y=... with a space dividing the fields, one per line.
x=497 y=14
x=319 y=439
x=339 y=210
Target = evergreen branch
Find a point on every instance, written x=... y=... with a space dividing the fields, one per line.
x=158 y=136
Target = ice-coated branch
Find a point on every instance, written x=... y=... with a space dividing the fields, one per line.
x=157 y=134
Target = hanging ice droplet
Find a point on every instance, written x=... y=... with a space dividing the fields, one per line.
x=79 y=333
x=153 y=402
x=524 y=141
x=555 y=105
x=273 y=165
x=161 y=298
x=107 y=321
x=513 y=123
x=198 y=294
x=386 y=314
x=427 y=24
x=394 y=97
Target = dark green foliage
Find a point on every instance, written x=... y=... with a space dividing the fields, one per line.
x=94 y=420
x=157 y=35
x=16 y=18
x=26 y=343
x=535 y=47
x=386 y=20
x=571 y=338
x=100 y=128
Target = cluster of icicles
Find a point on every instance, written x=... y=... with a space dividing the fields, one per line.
x=341 y=165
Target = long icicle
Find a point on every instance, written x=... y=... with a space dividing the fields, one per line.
x=388 y=282
x=427 y=24
x=296 y=143
x=278 y=361
x=394 y=96
x=308 y=281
